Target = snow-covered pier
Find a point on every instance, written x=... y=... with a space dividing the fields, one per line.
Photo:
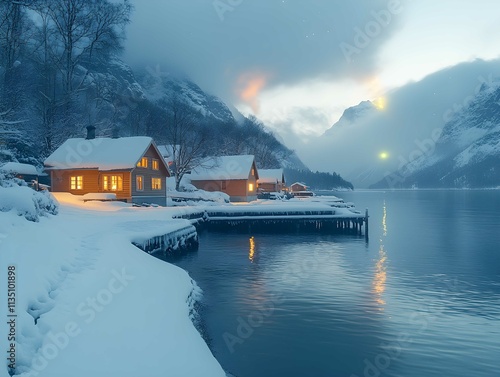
x=300 y=217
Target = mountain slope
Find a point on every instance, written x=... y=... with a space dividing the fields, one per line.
x=351 y=115
x=466 y=155
x=365 y=145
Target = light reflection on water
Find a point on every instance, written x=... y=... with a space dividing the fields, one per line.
x=428 y=287
x=380 y=266
x=251 y=252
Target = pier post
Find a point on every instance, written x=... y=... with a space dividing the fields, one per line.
x=366 y=225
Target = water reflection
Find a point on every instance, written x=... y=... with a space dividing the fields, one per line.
x=251 y=252
x=381 y=267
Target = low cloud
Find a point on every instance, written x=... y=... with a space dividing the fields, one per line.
x=291 y=41
x=410 y=115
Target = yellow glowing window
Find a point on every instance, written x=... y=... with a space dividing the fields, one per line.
x=116 y=183
x=139 y=183
x=250 y=187
x=143 y=163
x=76 y=183
x=156 y=183
x=155 y=164
x=112 y=183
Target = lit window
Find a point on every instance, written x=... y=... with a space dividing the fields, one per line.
x=139 y=183
x=253 y=171
x=155 y=164
x=156 y=183
x=250 y=187
x=143 y=163
x=116 y=183
x=76 y=183
x=112 y=183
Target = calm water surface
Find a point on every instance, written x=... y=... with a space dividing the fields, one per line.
x=422 y=298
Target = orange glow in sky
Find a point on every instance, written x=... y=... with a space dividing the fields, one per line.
x=249 y=88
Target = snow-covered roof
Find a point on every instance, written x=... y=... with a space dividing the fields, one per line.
x=224 y=168
x=18 y=168
x=270 y=175
x=100 y=153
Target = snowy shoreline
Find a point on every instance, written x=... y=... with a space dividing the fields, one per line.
x=100 y=306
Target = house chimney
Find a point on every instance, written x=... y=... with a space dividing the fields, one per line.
x=90 y=132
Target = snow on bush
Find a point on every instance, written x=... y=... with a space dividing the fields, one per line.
x=16 y=195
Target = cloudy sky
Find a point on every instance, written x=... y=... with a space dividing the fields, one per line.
x=298 y=64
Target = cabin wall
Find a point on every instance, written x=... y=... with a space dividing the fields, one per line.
x=271 y=187
x=237 y=189
x=61 y=181
x=296 y=187
x=148 y=195
x=92 y=182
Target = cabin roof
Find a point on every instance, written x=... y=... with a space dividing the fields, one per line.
x=19 y=168
x=225 y=168
x=99 y=153
x=271 y=175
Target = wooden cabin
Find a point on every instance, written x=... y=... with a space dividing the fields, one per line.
x=130 y=167
x=234 y=175
x=298 y=186
x=271 y=180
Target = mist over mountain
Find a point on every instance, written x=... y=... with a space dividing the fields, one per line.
x=466 y=154
x=374 y=139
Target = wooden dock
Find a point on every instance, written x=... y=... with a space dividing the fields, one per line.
x=262 y=220
x=270 y=221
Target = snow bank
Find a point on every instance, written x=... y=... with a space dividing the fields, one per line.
x=190 y=194
x=18 y=168
x=16 y=196
x=99 y=196
x=89 y=303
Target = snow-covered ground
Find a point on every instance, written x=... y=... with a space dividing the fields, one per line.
x=89 y=303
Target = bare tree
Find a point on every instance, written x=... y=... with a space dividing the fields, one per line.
x=73 y=34
x=15 y=28
x=186 y=138
x=260 y=142
x=83 y=29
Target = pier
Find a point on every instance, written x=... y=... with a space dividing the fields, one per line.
x=256 y=219
x=282 y=220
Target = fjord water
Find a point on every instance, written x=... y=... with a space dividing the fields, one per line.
x=421 y=298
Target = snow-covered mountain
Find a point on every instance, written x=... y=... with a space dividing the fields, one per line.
x=351 y=115
x=121 y=101
x=369 y=142
x=160 y=85
x=467 y=153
